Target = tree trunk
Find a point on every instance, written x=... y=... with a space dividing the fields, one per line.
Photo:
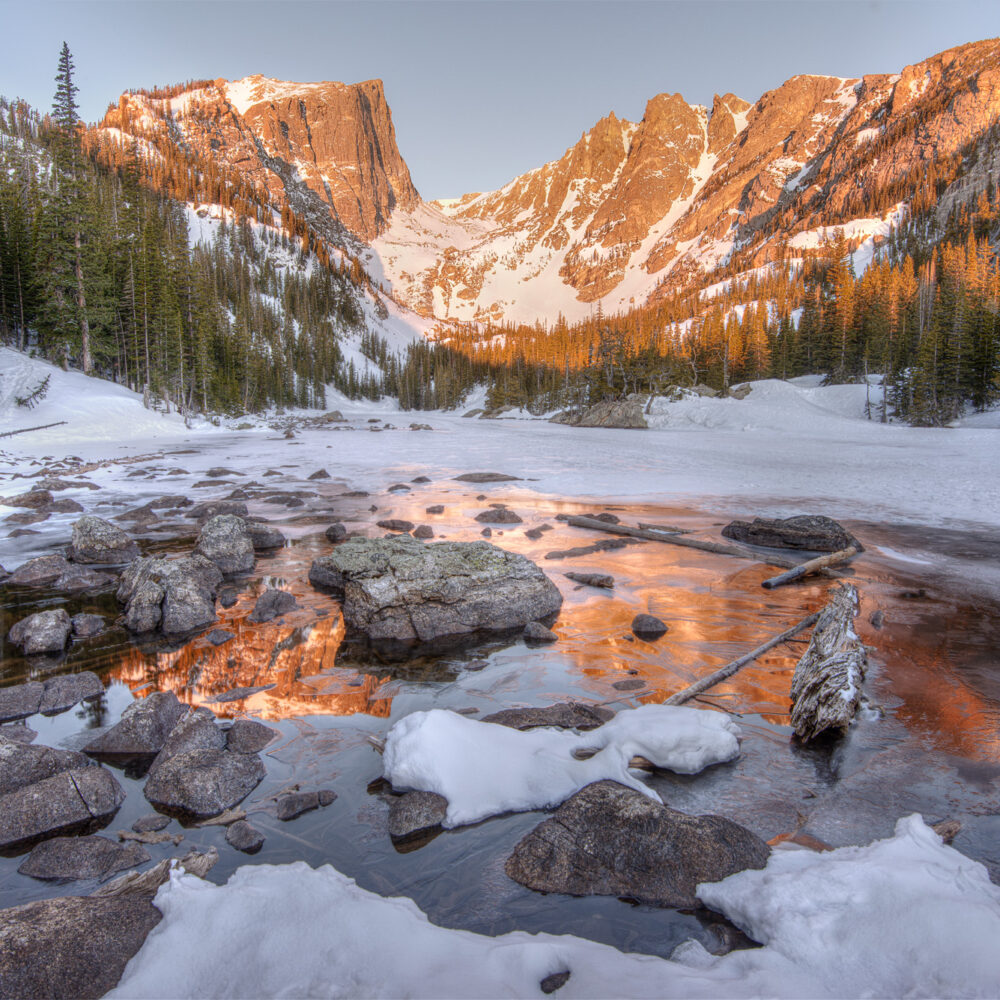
x=81 y=302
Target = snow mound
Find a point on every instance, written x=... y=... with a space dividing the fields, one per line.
x=484 y=769
x=906 y=916
x=93 y=409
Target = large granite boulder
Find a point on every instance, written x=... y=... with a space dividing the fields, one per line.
x=71 y=947
x=176 y=595
x=810 y=532
x=197 y=730
x=39 y=571
x=400 y=589
x=67 y=690
x=81 y=857
x=204 y=782
x=609 y=840
x=625 y=413
x=20 y=700
x=72 y=800
x=225 y=540
x=42 y=632
x=22 y=764
x=98 y=541
x=143 y=729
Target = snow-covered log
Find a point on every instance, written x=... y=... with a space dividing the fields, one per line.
x=826 y=685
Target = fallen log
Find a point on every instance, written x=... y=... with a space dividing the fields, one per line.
x=812 y=566
x=826 y=685
x=28 y=430
x=670 y=529
x=730 y=668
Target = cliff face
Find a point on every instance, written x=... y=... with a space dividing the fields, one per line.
x=321 y=148
x=630 y=210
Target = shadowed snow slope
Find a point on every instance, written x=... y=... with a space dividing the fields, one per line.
x=484 y=769
x=906 y=916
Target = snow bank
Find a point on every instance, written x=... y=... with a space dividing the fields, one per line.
x=906 y=916
x=484 y=769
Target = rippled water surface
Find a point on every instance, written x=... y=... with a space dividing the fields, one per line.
x=933 y=672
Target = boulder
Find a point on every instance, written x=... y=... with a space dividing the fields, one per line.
x=143 y=729
x=263 y=536
x=610 y=840
x=98 y=541
x=648 y=627
x=437 y=508
x=204 y=782
x=85 y=626
x=395 y=524
x=423 y=532
x=213 y=508
x=294 y=805
x=195 y=731
x=78 y=578
x=498 y=516
x=81 y=798
x=178 y=595
x=224 y=540
x=564 y=715
x=64 y=506
x=22 y=764
x=537 y=632
x=39 y=571
x=81 y=857
x=320 y=474
x=270 y=604
x=624 y=413
x=33 y=499
x=20 y=700
x=336 y=532
x=602 y=580
x=244 y=837
x=810 y=532
x=249 y=736
x=72 y=946
x=42 y=632
x=151 y=823
x=415 y=813
x=405 y=590
x=67 y=690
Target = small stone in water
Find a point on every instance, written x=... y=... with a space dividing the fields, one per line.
x=151 y=823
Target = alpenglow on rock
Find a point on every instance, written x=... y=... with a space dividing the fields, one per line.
x=401 y=589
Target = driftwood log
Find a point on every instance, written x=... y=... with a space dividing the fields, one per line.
x=28 y=430
x=826 y=685
x=812 y=566
x=730 y=668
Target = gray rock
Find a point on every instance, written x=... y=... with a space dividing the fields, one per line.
x=498 y=516
x=213 y=508
x=320 y=474
x=402 y=589
x=395 y=524
x=195 y=731
x=98 y=541
x=398 y=488
x=806 y=531
x=486 y=477
x=18 y=732
x=224 y=540
x=151 y=823
x=39 y=571
x=487 y=532
x=68 y=801
x=437 y=508
x=170 y=500
x=71 y=947
x=294 y=805
x=20 y=701
x=263 y=536
x=78 y=578
x=42 y=632
x=144 y=727
x=81 y=857
x=623 y=413
x=249 y=736
x=67 y=690
x=228 y=596
x=221 y=470
x=648 y=627
x=244 y=837
x=28 y=517
x=629 y=684
x=178 y=595
x=423 y=532
x=602 y=580
x=336 y=532
x=204 y=782
x=415 y=813
x=85 y=626
x=22 y=764
x=64 y=506
x=270 y=604
x=554 y=982
x=609 y=840
x=564 y=715
x=220 y=636
x=537 y=632
x=33 y=499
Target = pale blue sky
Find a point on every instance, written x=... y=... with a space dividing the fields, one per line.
x=479 y=91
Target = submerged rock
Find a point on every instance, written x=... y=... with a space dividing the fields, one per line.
x=609 y=840
x=225 y=540
x=402 y=589
x=204 y=782
x=811 y=532
x=42 y=632
x=98 y=541
x=602 y=580
x=81 y=857
x=39 y=571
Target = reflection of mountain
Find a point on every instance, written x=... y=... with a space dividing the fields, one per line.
x=299 y=661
